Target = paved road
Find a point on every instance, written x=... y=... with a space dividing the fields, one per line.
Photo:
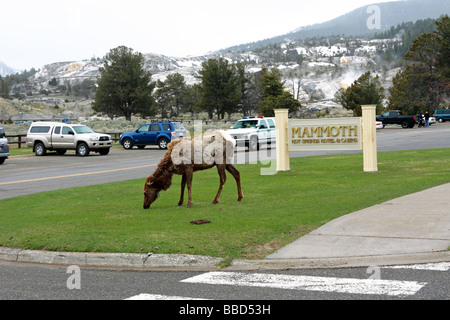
x=22 y=175
x=31 y=174
x=415 y=282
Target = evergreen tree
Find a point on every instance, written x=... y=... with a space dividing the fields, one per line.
x=191 y=99
x=170 y=94
x=274 y=96
x=424 y=82
x=5 y=87
x=443 y=33
x=124 y=87
x=220 y=88
x=367 y=90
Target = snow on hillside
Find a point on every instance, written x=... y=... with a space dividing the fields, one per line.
x=5 y=70
x=322 y=71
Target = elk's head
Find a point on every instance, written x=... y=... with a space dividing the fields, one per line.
x=151 y=192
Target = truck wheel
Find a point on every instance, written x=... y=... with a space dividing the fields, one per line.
x=405 y=124
x=253 y=145
x=163 y=143
x=2 y=160
x=40 y=149
x=83 y=150
x=127 y=144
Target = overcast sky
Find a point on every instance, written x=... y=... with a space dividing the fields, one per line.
x=37 y=32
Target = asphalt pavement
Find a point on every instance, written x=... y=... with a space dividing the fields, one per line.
x=407 y=230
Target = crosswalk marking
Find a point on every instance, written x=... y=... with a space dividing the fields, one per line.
x=443 y=266
x=146 y=296
x=325 y=284
x=310 y=283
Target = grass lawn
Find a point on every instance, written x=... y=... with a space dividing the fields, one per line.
x=275 y=211
x=20 y=152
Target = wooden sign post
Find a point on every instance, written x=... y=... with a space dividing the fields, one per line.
x=327 y=134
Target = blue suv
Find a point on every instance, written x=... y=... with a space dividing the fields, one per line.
x=160 y=134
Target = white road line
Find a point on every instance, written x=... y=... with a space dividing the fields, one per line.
x=443 y=266
x=326 y=284
x=146 y=296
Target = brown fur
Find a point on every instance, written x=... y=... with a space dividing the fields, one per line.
x=162 y=178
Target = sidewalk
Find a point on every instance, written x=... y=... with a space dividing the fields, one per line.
x=411 y=229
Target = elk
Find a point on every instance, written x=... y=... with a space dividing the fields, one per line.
x=188 y=155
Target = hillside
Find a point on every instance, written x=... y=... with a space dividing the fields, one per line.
x=354 y=23
x=5 y=70
x=314 y=64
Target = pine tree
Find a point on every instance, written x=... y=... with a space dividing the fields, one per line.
x=5 y=87
x=443 y=32
x=424 y=82
x=220 y=88
x=274 y=96
x=170 y=94
x=367 y=90
x=124 y=87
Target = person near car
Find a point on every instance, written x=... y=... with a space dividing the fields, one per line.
x=421 y=121
x=427 y=119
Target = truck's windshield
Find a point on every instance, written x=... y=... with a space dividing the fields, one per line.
x=82 y=129
x=246 y=124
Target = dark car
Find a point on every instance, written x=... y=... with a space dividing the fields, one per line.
x=4 y=147
x=159 y=133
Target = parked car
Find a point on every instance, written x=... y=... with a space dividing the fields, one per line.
x=251 y=132
x=60 y=137
x=379 y=125
x=158 y=133
x=4 y=146
x=442 y=115
x=432 y=120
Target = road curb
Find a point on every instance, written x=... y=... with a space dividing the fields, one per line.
x=184 y=262
x=110 y=260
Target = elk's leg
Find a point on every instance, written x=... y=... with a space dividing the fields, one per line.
x=223 y=179
x=237 y=176
x=189 y=176
x=183 y=186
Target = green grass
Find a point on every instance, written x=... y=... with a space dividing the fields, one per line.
x=275 y=211
x=20 y=152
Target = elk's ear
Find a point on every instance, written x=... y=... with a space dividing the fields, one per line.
x=149 y=181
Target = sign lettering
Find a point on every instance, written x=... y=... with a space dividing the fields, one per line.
x=325 y=134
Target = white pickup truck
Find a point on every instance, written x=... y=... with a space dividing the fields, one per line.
x=251 y=132
x=60 y=137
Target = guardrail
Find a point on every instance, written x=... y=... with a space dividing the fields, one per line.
x=20 y=139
